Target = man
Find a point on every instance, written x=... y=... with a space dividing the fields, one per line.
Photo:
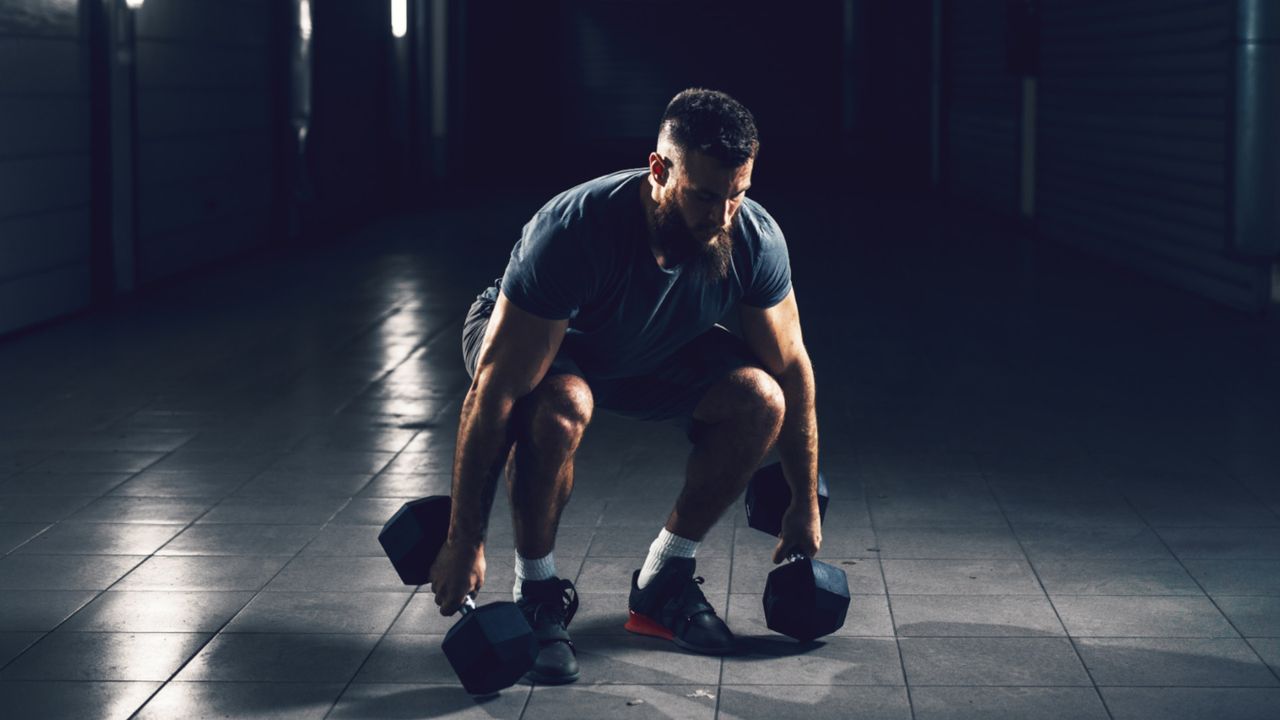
x=610 y=299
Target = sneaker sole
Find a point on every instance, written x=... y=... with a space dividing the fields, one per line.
x=645 y=625
x=540 y=679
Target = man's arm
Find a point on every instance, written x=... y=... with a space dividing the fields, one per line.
x=773 y=334
x=515 y=354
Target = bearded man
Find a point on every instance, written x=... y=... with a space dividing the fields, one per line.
x=611 y=300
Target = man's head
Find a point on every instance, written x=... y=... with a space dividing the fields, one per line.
x=707 y=145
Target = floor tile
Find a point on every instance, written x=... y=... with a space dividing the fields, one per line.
x=13 y=535
x=962 y=543
x=43 y=483
x=74 y=700
x=1137 y=616
x=1269 y=650
x=420 y=463
x=181 y=484
x=39 y=610
x=185 y=460
x=64 y=572
x=635 y=660
x=960 y=577
x=281 y=658
x=123 y=509
x=829 y=661
x=66 y=655
x=13 y=643
x=158 y=611
x=197 y=573
x=212 y=700
x=275 y=510
x=753 y=702
x=1049 y=542
x=367 y=511
x=240 y=540
x=630 y=701
x=40 y=508
x=399 y=485
x=973 y=616
x=97 y=462
x=992 y=661
x=319 y=612
x=1165 y=662
x=1115 y=577
x=1192 y=703
x=1252 y=616
x=346 y=541
x=405 y=700
x=72 y=538
x=408 y=659
x=1006 y=703
x=316 y=461
x=1224 y=543
x=317 y=573
x=298 y=483
x=1237 y=577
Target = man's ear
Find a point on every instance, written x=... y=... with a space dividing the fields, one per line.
x=659 y=168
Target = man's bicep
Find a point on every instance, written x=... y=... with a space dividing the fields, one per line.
x=517 y=349
x=773 y=333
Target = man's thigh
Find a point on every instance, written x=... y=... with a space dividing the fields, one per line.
x=673 y=391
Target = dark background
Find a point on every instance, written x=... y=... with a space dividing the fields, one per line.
x=140 y=146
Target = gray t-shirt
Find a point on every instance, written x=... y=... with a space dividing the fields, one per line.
x=585 y=256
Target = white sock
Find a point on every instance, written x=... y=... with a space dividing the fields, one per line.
x=666 y=546
x=542 y=568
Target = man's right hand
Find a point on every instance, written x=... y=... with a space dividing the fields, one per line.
x=458 y=571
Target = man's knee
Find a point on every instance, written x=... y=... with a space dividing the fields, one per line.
x=557 y=411
x=748 y=393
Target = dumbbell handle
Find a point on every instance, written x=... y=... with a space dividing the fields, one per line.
x=468 y=605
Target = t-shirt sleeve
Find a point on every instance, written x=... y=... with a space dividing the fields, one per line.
x=771 y=276
x=547 y=274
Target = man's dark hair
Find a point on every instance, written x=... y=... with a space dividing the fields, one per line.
x=712 y=123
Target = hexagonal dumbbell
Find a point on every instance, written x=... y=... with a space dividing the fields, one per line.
x=491 y=647
x=804 y=598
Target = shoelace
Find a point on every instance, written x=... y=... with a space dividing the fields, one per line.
x=557 y=609
x=692 y=593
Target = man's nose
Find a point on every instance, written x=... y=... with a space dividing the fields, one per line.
x=722 y=213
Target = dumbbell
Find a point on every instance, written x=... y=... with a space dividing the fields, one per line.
x=805 y=598
x=490 y=647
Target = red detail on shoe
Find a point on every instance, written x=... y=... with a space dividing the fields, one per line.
x=644 y=625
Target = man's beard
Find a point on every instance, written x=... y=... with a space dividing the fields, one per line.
x=706 y=253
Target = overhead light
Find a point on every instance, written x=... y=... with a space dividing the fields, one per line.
x=133 y=4
x=304 y=19
x=399 y=18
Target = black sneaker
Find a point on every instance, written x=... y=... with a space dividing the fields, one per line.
x=672 y=607
x=549 y=606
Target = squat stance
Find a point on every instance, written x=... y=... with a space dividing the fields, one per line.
x=610 y=300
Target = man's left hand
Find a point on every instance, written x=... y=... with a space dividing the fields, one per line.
x=801 y=531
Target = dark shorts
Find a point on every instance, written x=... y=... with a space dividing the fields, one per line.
x=669 y=393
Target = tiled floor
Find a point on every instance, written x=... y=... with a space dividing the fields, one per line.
x=1056 y=493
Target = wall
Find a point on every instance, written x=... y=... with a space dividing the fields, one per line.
x=207 y=130
x=44 y=161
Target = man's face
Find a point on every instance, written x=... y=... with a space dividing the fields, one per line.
x=694 y=218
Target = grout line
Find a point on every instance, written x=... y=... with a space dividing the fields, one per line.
x=893 y=623
x=1027 y=559
x=1205 y=593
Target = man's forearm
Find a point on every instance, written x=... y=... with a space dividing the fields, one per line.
x=477 y=464
x=798 y=439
